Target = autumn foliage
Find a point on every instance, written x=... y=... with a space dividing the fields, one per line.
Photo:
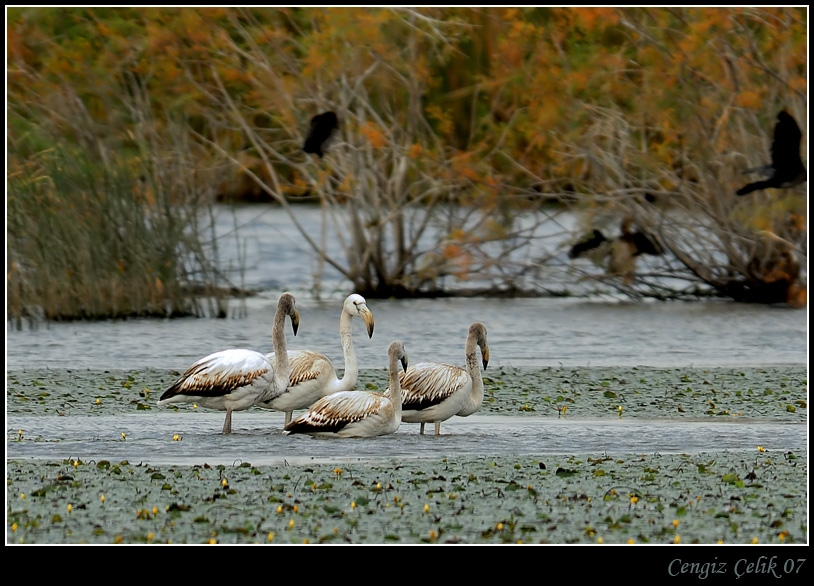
x=611 y=112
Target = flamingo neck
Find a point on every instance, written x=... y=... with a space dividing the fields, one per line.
x=351 y=373
x=394 y=387
x=282 y=369
x=475 y=398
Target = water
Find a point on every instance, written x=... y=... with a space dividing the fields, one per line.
x=568 y=332
x=522 y=332
x=257 y=438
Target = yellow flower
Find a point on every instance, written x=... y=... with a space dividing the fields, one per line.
x=600 y=540
x=20 y=432
x=296 y=508
x=150 y=536
x=378 y=486
x=155 y=510
x=70 y=507
x=271 y=536
x=22 y=495
x=291 y=524
x=720 y=541
x=499 y=526
x=195 y=405
x=102 y=498
x=176 y=437
x=426 y=508
x=631 y=540
x=98 y=401
x=279 y=509
x=634 y=500
x=432 y=535
x=677 y=539
x=124 y=436
x=338 y=471
x=75 y=463
x=353 y=504
x=223 y=482
x=761 y=449
x=212 y=540
x=675 y=522
x=305 y=540
x=754 y=540
x=14 y=527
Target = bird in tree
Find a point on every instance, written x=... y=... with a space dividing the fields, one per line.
x=621 y=251
x=786 y=168
x=592 y=242
x=320 y=130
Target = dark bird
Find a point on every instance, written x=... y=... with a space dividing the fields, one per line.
x=594 y=241
x=622 y=250
x=786 y=168
x=320 y=129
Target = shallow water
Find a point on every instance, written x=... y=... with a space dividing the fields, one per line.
x=257 y=438
x=537 y=333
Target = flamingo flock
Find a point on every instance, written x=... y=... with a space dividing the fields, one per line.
x=286 y=380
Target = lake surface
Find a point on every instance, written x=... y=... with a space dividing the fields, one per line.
x=544 y=332
x=522 y=332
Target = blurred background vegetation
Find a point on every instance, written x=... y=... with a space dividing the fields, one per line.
x=125 y=124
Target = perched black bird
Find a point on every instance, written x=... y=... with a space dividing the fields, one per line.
x=320 y=129
x=786 y=168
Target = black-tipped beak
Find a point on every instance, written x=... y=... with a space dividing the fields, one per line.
x=365 y=314
x=295 y=321
x=404 y=362
x=485 y=353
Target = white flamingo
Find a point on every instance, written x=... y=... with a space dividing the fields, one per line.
x=434 y=392
x=313 y=375
x=357 y=413
x=235 y=379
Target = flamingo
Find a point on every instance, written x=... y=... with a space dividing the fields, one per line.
x=357 y=413
x=434 y=392
x=236 y=379
x=313 y=375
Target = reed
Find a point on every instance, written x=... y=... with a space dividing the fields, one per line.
x=94 y=239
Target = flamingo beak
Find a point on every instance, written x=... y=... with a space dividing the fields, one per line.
x=295 y=321
x=367 y=316
x=485 y=352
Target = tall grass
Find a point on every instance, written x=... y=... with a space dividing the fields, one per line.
x=96 y=239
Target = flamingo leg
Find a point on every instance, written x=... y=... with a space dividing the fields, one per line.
x=437 y=428
x=227 y=425
x=288 y=415
x=422 y=428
